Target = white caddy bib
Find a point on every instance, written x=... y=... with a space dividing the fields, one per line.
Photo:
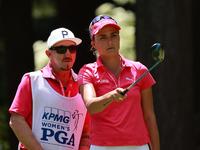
x=57 y=120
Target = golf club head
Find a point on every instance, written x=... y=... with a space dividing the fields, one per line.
x=156 y=52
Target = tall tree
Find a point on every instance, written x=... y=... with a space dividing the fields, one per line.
x=196 y=52
x=77 y=17
x=170 y=23
x=17 y=42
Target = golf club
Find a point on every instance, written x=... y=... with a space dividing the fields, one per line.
x=156 y=53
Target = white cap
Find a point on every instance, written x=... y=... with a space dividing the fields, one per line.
x=61 y=34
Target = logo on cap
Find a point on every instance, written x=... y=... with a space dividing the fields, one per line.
x=64 y=33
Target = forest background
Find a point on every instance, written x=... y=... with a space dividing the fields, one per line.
x=26 y=25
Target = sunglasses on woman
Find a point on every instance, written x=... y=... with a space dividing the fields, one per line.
x=63 y=49
x=97 y=19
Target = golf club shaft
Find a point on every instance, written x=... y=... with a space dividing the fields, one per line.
x=139 y=78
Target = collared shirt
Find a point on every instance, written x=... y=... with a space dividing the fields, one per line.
x=121 y=123
x=22 y=103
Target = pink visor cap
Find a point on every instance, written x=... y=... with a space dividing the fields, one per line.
x=102 y=23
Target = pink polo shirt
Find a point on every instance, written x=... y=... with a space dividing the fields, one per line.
x=22 y=103
x=121 y=123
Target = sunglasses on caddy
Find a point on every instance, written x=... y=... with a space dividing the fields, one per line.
x=63 y=49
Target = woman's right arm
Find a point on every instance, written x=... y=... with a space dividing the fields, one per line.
x=98 y=104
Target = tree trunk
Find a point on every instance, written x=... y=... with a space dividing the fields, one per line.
x=17 y=36
x=169 y=23
x=196 y=39
x=77 y=18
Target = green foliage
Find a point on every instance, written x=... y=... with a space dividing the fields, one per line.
x=44 y=8
x=40 y=57
x=4 y=145
x=123 y=2
x=126 y=20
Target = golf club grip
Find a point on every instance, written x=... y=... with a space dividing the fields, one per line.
x=123 y=93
